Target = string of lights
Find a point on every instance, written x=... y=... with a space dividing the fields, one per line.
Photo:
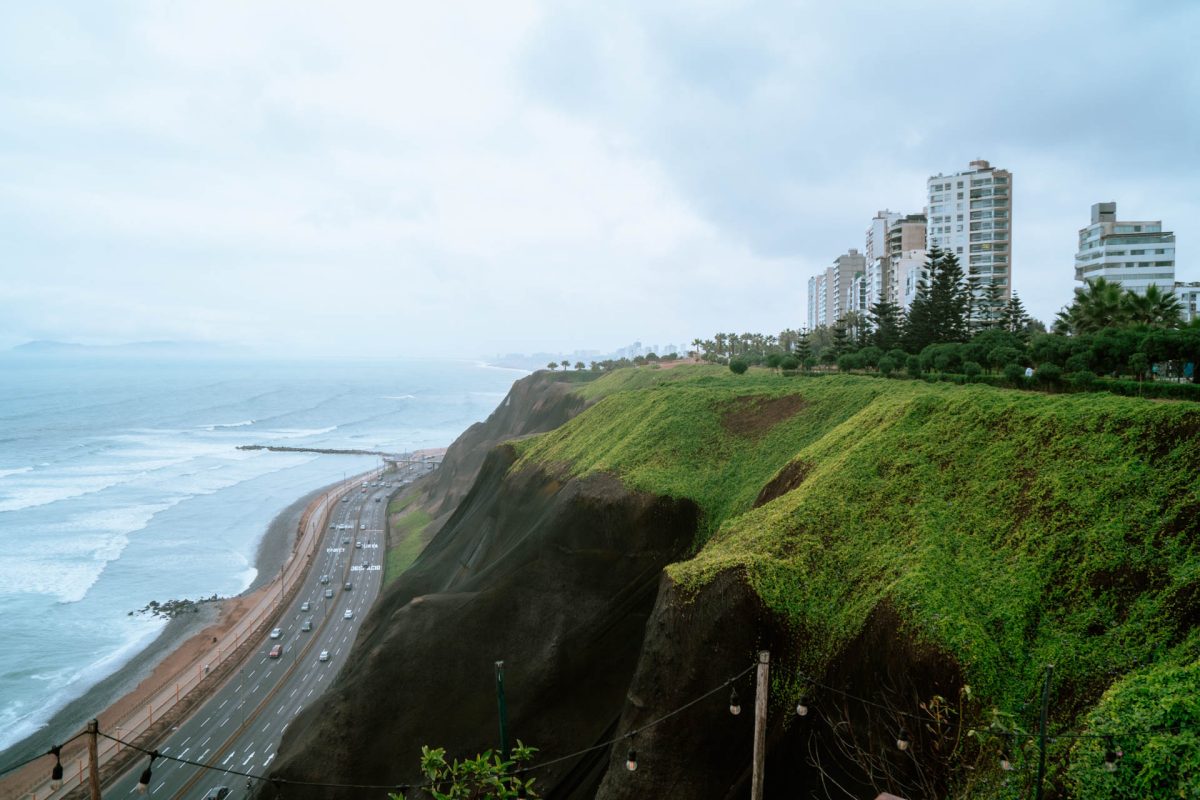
x=1113 y=752
x=56 y=772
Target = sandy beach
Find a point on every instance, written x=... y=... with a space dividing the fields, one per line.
x=179 y=644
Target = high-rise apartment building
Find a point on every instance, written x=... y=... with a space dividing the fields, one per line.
x=970 y=214
x=1133 y=253
x=1189 y=298
x=836 y=290
x=876 y=255
x=905 y=242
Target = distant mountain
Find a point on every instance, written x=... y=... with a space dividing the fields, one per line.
x=141 y=349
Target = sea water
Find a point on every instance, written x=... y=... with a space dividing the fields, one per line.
x=121 y=482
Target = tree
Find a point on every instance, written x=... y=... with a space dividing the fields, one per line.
x=698 y=347
x=940 y=311
x=789 y=363
x=553 y=365
x=565 y=363
x=803 y=348
x=886 y=319
x=992 y=306
x=1155 y=308
x=485 y=777
x=578 y=365
x=738 y=367
x=841 y=338
x=1098 y=305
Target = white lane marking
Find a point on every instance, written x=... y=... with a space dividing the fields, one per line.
x=227 y=759
x=293 y=694
x=310 y=691
x=270 y=758
x=204 y=755
x=206 y=738
x=222 y=725
x=321 y=677
x=202 y=724
x=184 y=752
x=255 y=689
x=247 y=761
x=185 y=741
x=266 y=727
x=223 y=702
x=337 y=652
x=251 y=675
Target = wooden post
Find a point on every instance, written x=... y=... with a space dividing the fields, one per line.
x=93 y=728
x=762 y=688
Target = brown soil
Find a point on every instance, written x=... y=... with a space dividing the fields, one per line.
x=788 y=478
x=754 y=415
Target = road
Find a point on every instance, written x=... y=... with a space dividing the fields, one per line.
x=240 y=726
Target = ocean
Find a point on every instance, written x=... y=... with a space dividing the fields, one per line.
x=121 y=483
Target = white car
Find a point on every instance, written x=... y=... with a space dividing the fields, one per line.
x=348 y=615
x=324 y=656
x=305 y=606
x=276 y=633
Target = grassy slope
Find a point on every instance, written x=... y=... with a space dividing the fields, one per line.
x=405 y=524
x=1009 y=529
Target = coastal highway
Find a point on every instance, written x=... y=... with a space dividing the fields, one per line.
x=240 y=726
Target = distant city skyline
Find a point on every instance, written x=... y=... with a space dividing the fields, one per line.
x=427 y=181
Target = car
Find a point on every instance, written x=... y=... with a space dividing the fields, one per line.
x=377 y=499
x=324 y=579
x=345 y=540
x=362 y=527
x=349 y=586
x=348 y=615
x=345 y=499
x=332 y=526
x=306 y=625
x=217 y=793
x=328 y=593
x=276 y=651
x=358 y=545
x=305 y=606
x=276 y=633
x=324 y=656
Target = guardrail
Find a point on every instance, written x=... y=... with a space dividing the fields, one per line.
x=212 y=665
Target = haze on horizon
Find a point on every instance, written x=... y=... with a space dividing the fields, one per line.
x=531 y=176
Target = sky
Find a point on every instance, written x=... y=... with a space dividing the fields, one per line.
x=437 y=179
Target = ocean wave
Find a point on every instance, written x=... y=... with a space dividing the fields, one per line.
x=220 y=426
x=299 y=433
x=4 y=473
x=398 y=397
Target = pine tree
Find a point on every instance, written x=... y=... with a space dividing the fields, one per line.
x=918 y=332
x=885 y=317
x=992 y=316
x=950 y=301
x=841 y=338
x=803 y=349
x=1014 y=319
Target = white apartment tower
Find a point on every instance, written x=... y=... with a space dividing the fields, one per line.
x=970 y=214
x=876 y=255
x=1133 y=253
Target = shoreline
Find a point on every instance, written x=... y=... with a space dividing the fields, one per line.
x=174 y=647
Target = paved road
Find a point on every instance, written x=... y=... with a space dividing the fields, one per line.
x=240 y=727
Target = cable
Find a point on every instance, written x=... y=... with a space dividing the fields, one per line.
x=31 y=759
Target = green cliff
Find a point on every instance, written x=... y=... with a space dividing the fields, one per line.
x=913 y=555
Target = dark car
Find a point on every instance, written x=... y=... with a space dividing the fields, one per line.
x=217 y=793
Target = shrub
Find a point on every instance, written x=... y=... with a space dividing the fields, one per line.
x=774 y=360
x=1015 y=374
x=1077 y=363
x=870 y=355
x=1001 y=356
x=1083 y=380
x=789 y=363
x=898 y=356
x=1049 y=373
x=887 y=366
x=738 y=367
x=913 y=365
x=971 y=370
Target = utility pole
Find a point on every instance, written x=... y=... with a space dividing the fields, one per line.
x=503 y=707
x=1042 y=731
x=93 y=728
x=762 y=688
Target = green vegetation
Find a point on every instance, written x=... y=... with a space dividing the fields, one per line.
x=485 y=777
x=405 y=542
x=1007 y=529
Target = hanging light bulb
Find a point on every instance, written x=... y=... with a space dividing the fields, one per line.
x=801 y=708
x=902 y=739
x=1111 y=755
x=631 y=762
x=735 y=703
x=56 y=773
x=144 y=781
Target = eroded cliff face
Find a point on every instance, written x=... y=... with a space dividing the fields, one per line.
x=555 y=578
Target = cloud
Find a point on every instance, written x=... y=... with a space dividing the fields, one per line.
x=480 y=178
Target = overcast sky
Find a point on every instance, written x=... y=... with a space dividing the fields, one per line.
x=445 y=178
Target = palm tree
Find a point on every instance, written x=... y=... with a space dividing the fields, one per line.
x=1155 y=308
x=1096 y=307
